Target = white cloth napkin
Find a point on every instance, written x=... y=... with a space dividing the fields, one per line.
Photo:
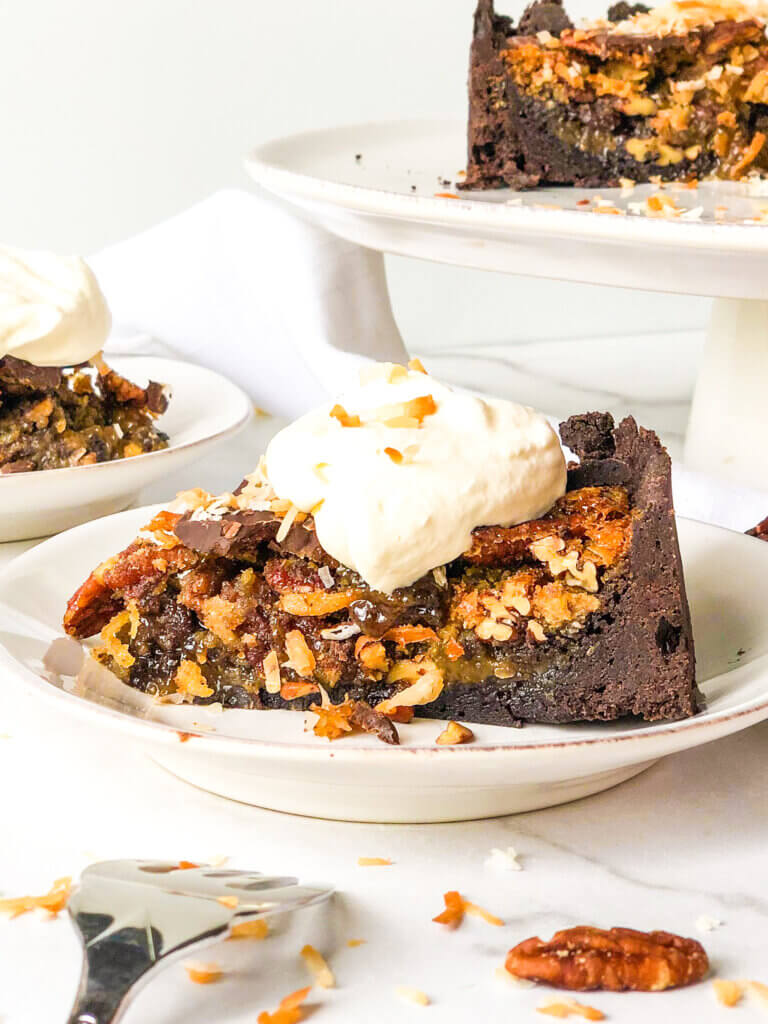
x=243 y=285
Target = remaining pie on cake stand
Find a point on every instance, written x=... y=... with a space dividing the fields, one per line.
x=628 y=103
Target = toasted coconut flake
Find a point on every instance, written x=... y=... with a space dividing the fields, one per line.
x=354 y=943
x=345 y=419
x=412 y=995
x=54 y=901
x=343 y=632
x=507 y=859
x=416 y=365
x=289 y=1010
x=190 y=681
x=292 y=690
x=301 y=658
x=319 y=471
x=371 y=654
x=404 y=635
x=453 y=914
x=569 y=1007
x=472 y=908
x=272 y=672
x=440 y=576
x=286 y=524
x=203 y=974
x=317 y=602
x=111 y=645
x=427 y=687
x=454 y=733
x=374 y=862
x=759 y=991
x=228 y=901
x=729 y=993
x=258 y=929
x=453 y=650
x=332 y=719
x=186 y=865
x=537 y=631
x=395 y=455
x=705 y=923
x=326 y=576
x=318 y=967
x=402 y=715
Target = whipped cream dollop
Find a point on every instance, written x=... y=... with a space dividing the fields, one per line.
x=400 y=493
x=52 y=311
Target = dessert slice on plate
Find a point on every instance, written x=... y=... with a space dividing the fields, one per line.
x=414 y=549
x=60 y=404
x=51 y=417
x=675 y=93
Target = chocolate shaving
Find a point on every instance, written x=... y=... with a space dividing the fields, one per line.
x=18 y=376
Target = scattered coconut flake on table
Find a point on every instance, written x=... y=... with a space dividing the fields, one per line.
x=727 y=993
x=705 y=923
x=412 y=995
x=353 y=943
x=318 y=967
x=54 y=901
x=569 y=1007
x=506 y=859
x=374 y=862
x=288 y=1012
x=203 y=974
x=255 y=929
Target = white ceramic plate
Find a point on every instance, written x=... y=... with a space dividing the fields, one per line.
x=204 y=409
x=267 y=758
x=387 y=200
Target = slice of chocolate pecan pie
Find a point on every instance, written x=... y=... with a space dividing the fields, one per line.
x=52 y=417
x=580 y=614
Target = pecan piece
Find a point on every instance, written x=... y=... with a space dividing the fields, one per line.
x=587 y=958
x=760 y=531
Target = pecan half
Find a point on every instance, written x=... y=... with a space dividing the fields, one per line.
x=761 y=530
x=587 y=958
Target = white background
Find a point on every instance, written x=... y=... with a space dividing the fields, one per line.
x=117 y=114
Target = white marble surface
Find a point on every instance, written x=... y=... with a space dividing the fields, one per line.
x=686 y=838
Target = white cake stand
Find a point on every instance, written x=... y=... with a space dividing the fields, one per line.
x=383 y=186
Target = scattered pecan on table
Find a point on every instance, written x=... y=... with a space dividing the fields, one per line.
x=587 y=958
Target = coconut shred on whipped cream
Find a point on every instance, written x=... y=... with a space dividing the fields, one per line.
x=52 y=311
x=400 y=469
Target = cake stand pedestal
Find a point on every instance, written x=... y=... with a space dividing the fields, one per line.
x=383 y=186
x=729 y=412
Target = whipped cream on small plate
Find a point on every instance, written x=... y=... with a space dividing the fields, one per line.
x=399 y=471
x=52 y=311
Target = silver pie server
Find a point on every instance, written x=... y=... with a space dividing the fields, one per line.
x=134 y=916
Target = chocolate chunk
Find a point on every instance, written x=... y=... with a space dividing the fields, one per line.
x=760 y=531
x=157 y=401
x=622 y=10
x=18 y=376
x=370 y=720
x=239 y=534
x=590 y=435
x=544 y=16
x=215 y=536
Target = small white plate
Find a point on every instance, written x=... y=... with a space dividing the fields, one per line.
x=382 y=185
x=204 y=409
x=267 y=757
